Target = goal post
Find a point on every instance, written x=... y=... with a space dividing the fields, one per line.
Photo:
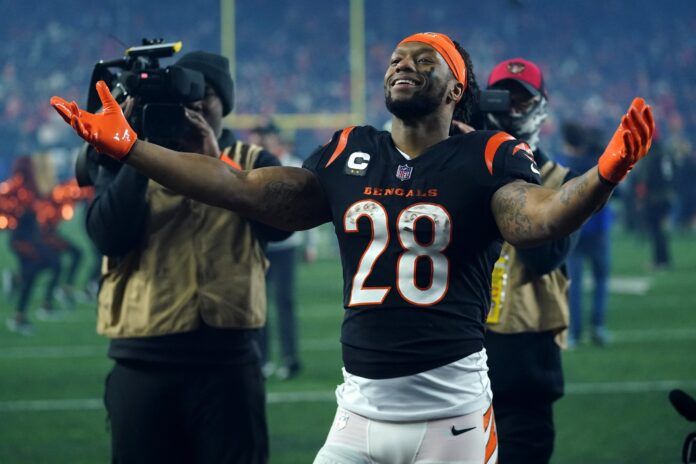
x=296 y=121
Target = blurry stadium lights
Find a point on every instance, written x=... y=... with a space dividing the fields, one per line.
x=67 y=212
x=23 y=195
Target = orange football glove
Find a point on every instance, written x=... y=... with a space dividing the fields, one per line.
x=630 y=142
x=108 y=132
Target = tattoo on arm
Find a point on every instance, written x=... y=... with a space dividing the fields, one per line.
x=277 y=196
x=292 y=205
x=573 y=188
x=528 y=214
x=508 y=207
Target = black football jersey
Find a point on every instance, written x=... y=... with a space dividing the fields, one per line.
x=418 y=242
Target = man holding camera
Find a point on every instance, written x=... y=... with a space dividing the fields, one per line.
x=182 y=297
x=529 y=312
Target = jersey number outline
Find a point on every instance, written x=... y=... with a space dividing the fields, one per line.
x=413 y=250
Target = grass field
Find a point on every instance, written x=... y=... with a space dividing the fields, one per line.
x=615 y=411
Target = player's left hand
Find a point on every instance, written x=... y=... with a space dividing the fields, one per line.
x=108 y=132
x=629 y=144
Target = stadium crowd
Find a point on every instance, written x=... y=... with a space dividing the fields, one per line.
x=591 y=75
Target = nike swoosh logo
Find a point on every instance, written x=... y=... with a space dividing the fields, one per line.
x=456 y=432
x=534 y=170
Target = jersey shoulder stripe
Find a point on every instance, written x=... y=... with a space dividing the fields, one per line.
x=342 y=142
x=492 y=147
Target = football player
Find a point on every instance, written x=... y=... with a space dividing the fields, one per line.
x=420 y=218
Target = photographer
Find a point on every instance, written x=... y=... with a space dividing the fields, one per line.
x=182 y=297
x=529 y=314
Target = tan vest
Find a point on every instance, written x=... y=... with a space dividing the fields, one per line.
x=522 y=301
x=195 y=262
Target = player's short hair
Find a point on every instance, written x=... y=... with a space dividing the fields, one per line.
x=464 y=109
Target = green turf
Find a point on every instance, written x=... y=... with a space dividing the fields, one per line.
x=638 y=427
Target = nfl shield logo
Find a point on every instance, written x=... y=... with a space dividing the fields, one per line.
x=403 y=172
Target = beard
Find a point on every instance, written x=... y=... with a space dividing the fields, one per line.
x=419 y=105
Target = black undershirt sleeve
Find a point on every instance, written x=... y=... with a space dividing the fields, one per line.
x=547 y=257
x=117 y=216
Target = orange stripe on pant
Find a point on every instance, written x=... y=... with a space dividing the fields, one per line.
x=487 y=417
x=492 y=444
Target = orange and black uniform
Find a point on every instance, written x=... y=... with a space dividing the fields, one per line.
x=418 y=242
x=34 y=256
x=63 y=246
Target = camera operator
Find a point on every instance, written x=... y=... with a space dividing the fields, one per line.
x=182 y=297
x=529 y=315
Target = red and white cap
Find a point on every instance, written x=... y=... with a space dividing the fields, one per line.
x=523 y=71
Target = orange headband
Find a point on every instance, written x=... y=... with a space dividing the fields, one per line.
x=446 y=48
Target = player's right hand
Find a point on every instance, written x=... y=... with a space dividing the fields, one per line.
x=108 y=132
x=630 y=142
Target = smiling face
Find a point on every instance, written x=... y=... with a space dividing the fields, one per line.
x=417 y=81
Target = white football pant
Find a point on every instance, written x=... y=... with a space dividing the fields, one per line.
x=354 y=439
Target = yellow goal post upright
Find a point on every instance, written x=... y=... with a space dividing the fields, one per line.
x=292 y=122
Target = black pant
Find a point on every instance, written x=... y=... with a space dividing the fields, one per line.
x=655 y=218
x=525 y=429
x=30 y=270
x=75 y=255
x=526 y=378
x=162 y=413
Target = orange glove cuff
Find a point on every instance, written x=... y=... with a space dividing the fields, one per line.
x=617 y=158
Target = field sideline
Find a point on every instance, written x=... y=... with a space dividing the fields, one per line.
x=615 y=411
